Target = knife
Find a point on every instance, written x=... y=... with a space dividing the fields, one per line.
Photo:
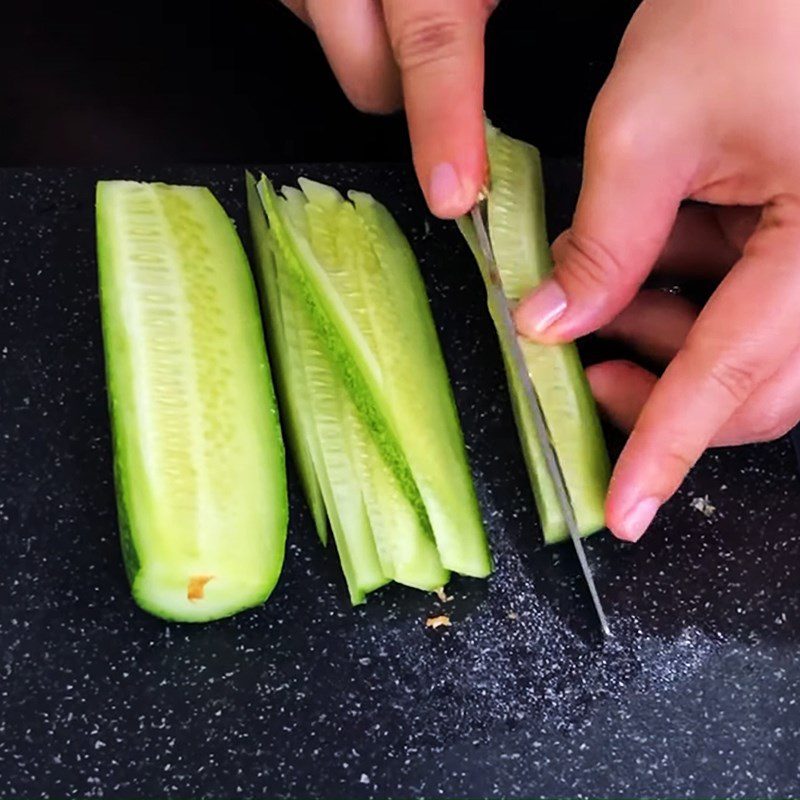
x=498 y=304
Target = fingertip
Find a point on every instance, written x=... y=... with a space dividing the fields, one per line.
x=630 y=521
x=598 y=376
x=452 y=171
x=582 y=295
x=379 y=98
x=620 y=389
x=450 y=193
x=354 y=38
x=538 y=312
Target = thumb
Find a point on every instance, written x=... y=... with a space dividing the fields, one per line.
x=634 y=181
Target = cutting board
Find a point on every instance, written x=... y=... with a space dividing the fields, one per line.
x=695 y=694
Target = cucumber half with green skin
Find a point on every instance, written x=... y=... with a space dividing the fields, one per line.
x=518 y=233
x=360 y=362
x=198 y=454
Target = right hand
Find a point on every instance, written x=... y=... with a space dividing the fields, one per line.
x=426 y=55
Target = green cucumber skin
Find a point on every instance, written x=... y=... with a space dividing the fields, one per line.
x=130 y=557
x=138 y=521
x=518 y=233
x=313 y=377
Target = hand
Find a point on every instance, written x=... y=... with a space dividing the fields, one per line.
x=428 y=56
x=704 y=103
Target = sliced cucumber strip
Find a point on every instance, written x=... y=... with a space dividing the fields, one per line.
x=199 y=458
x=294 y=403
x=331 y=432
x=518 y=234
x=351 y=275
x=345 y=248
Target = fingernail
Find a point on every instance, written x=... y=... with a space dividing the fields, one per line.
x=542 y=308
x=446 y=191
x=639 y=518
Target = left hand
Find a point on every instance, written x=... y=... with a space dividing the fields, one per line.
x=705 y=243
x=702 y=103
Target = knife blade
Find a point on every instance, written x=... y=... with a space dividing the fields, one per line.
x=498 y=303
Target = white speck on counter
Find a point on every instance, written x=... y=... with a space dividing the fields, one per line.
x=703 y=505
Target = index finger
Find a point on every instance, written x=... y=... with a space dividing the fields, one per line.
x=748 y=328
x=438 y=45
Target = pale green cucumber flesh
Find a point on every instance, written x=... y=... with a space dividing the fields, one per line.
x=328 y=408
x=199 y=459
x=294 y=412
x=518 y=234
x=516 y=214
x=404 y=544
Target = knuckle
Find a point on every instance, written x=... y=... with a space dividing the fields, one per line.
x=431 y=38
x=611 y=136
x=588 y=263
x=766 y=422
x=371 y=101
x=736 y=378
x=614 y=131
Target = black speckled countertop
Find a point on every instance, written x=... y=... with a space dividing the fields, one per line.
x=696 y=695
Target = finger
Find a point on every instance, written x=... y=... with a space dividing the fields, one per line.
x=770 y=412
x=745 y=332
x=637 y=171
x=298 y=8
x=353 y=35
x=438 y=45
x=620 y=389
x=706 y=241
x=655 y=324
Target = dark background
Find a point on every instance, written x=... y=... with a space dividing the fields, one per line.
x=695 y=695
x=241 y=81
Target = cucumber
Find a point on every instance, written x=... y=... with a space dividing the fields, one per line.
x=326 y=496
x=330 y=438
x=295 y=416
x=518 y=233
x=198 y=453
x=378 y=415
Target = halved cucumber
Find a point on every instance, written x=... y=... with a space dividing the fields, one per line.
x=518 y=235
x=378 y=422
x=199 y=459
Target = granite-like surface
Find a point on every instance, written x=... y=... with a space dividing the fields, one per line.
x=695 y=696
